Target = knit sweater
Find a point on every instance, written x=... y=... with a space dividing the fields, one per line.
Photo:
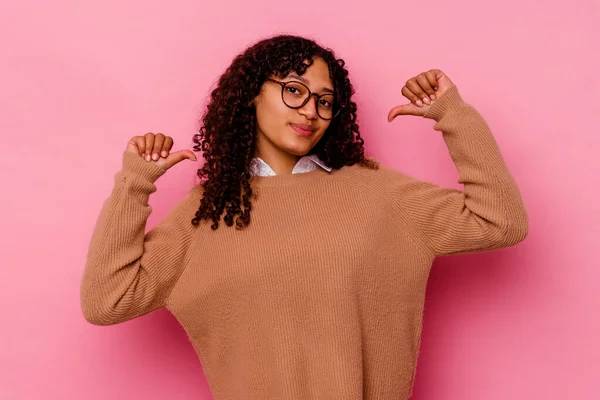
x=321 y=296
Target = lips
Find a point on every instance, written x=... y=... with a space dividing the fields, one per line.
x=303 y=129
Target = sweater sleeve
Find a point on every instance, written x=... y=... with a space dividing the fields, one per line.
x=489 y=213
x=129 y=273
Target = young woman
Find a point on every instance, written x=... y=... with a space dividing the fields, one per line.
x=298 y=267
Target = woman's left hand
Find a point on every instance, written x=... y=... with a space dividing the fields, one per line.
x=422 y=91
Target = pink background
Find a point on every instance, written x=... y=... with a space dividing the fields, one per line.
x=78 y=80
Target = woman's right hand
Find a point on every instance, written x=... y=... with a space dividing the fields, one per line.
x=156 y=148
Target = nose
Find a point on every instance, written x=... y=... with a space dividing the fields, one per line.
x=309 y=110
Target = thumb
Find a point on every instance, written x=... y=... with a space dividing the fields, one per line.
x=178 y=156
x=406 y=109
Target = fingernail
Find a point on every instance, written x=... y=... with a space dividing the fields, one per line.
x=426 y=100
x=432 y=96
x=419 y=103
x=164 y=154
x=147 y=157
x=155 y=156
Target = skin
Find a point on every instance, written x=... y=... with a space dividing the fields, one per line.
x=422 y=90
x=277 y=143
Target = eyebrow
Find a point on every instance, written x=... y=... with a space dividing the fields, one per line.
x=304 y=80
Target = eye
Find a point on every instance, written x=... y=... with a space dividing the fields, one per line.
x=295 y=89
x=292 y=90
x=325 y=103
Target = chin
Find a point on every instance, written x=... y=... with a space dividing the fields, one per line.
x=299 y=148
x=296 y=151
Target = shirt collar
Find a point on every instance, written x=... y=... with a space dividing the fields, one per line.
x=258 y=167
x=314 y=158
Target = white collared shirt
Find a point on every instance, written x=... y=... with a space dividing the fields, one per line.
x=259 y=167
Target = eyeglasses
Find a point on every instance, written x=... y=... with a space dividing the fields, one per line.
x=296 y=95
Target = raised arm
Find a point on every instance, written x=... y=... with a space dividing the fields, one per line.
x=489 y=213
x=129 y=273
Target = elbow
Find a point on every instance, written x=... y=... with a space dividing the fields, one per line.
x=514 y=230
x=95 y=316
x=96 y=312
x=516 y=233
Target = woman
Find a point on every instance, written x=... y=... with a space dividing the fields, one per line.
x=318 y=290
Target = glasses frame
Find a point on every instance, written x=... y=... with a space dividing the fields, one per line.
x=310 y=94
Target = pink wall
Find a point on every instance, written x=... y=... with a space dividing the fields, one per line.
x=78 y=80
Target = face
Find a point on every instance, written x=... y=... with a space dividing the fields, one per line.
x=288 y=132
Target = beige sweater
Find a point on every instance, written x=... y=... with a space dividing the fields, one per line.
x=321 y=297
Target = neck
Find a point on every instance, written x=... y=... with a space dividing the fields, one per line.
x=281 y=162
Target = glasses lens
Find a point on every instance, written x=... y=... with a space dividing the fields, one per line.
x=294 y=94
x=326 y=106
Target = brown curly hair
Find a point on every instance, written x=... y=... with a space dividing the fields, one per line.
x=228 y=128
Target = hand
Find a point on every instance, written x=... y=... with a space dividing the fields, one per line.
x=422 y=91
x=157 y=149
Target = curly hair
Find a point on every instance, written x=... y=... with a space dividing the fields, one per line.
x=228 y=127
